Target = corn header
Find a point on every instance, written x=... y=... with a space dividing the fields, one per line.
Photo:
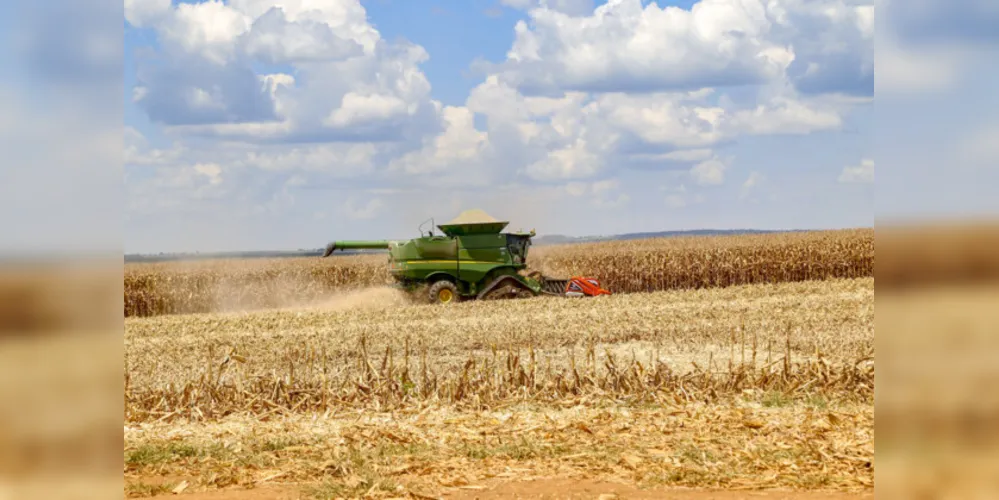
x=472 y=260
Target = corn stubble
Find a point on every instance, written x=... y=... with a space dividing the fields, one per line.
x=748 y=386
x=622 y=266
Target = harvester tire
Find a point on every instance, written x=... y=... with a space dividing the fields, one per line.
x=443 y=292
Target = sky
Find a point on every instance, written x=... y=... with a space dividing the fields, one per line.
x=270 y=124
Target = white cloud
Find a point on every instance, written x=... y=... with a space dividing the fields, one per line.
x=625 y=86
x=603 y=194
x=709 y=172
x=570 y=7
x=137 y=152
x=457 y=147
x=276 y=40
x=346 y=18
x=833 y=44
x=209 y=29
x=752 y=182
x=349 y=84
x=193 y=177
x=143 y=12
x=572 y=162
x=367 y=211
x=331 y=160
x=687 y=156
x=680 y=197
x=785 y=116
x=356 y=109
x=858 y=174
x=663 y=119
x=681 y=122
x=211 y=171
x=625 y=46
x=821 y=46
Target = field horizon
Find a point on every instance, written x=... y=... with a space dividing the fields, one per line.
x=540 y=240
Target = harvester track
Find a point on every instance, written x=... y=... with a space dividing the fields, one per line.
x=553 y=286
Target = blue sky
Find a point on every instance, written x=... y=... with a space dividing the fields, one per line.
x=249 y=127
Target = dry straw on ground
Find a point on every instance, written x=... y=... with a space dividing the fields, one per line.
x=425 y=453
x=622 y=266
x=810 y=335
x=746 y=387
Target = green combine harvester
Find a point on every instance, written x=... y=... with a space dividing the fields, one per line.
x=473 y=259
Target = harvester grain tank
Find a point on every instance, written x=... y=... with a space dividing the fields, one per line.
x=472 y=259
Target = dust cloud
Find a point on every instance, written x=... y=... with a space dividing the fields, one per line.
x=291 y=293
x=368 y=299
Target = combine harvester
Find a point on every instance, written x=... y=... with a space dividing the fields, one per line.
x=473 y=259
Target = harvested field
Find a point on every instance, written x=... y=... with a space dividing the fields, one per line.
x=745 y=387
x=622 y=266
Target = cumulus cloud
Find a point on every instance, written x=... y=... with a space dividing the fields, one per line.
x=583 y=95
x=360 y=109
x=191 y=91
x=623 y=46
x=783 y=115
x=663 y=119
x=349 y=84
x=576 y=135
x=460 y=145
x=833 y=43
x=709 y=172
x=821 y=46
x=274 y=39
x=571 y=162
x=858 y=174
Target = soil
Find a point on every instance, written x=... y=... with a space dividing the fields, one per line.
x=553 y=488
x=604 y=490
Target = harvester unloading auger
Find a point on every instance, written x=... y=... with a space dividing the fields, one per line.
x=473 y=259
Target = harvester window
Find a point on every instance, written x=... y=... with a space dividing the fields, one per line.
x=518 y=247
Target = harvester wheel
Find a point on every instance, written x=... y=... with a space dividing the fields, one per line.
x=524 y=293
x=443 y=292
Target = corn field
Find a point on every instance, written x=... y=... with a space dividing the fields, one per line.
x=707 y=262
x=622 y=266
x=178 y=288
x=810 y=336
x=746 y=386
